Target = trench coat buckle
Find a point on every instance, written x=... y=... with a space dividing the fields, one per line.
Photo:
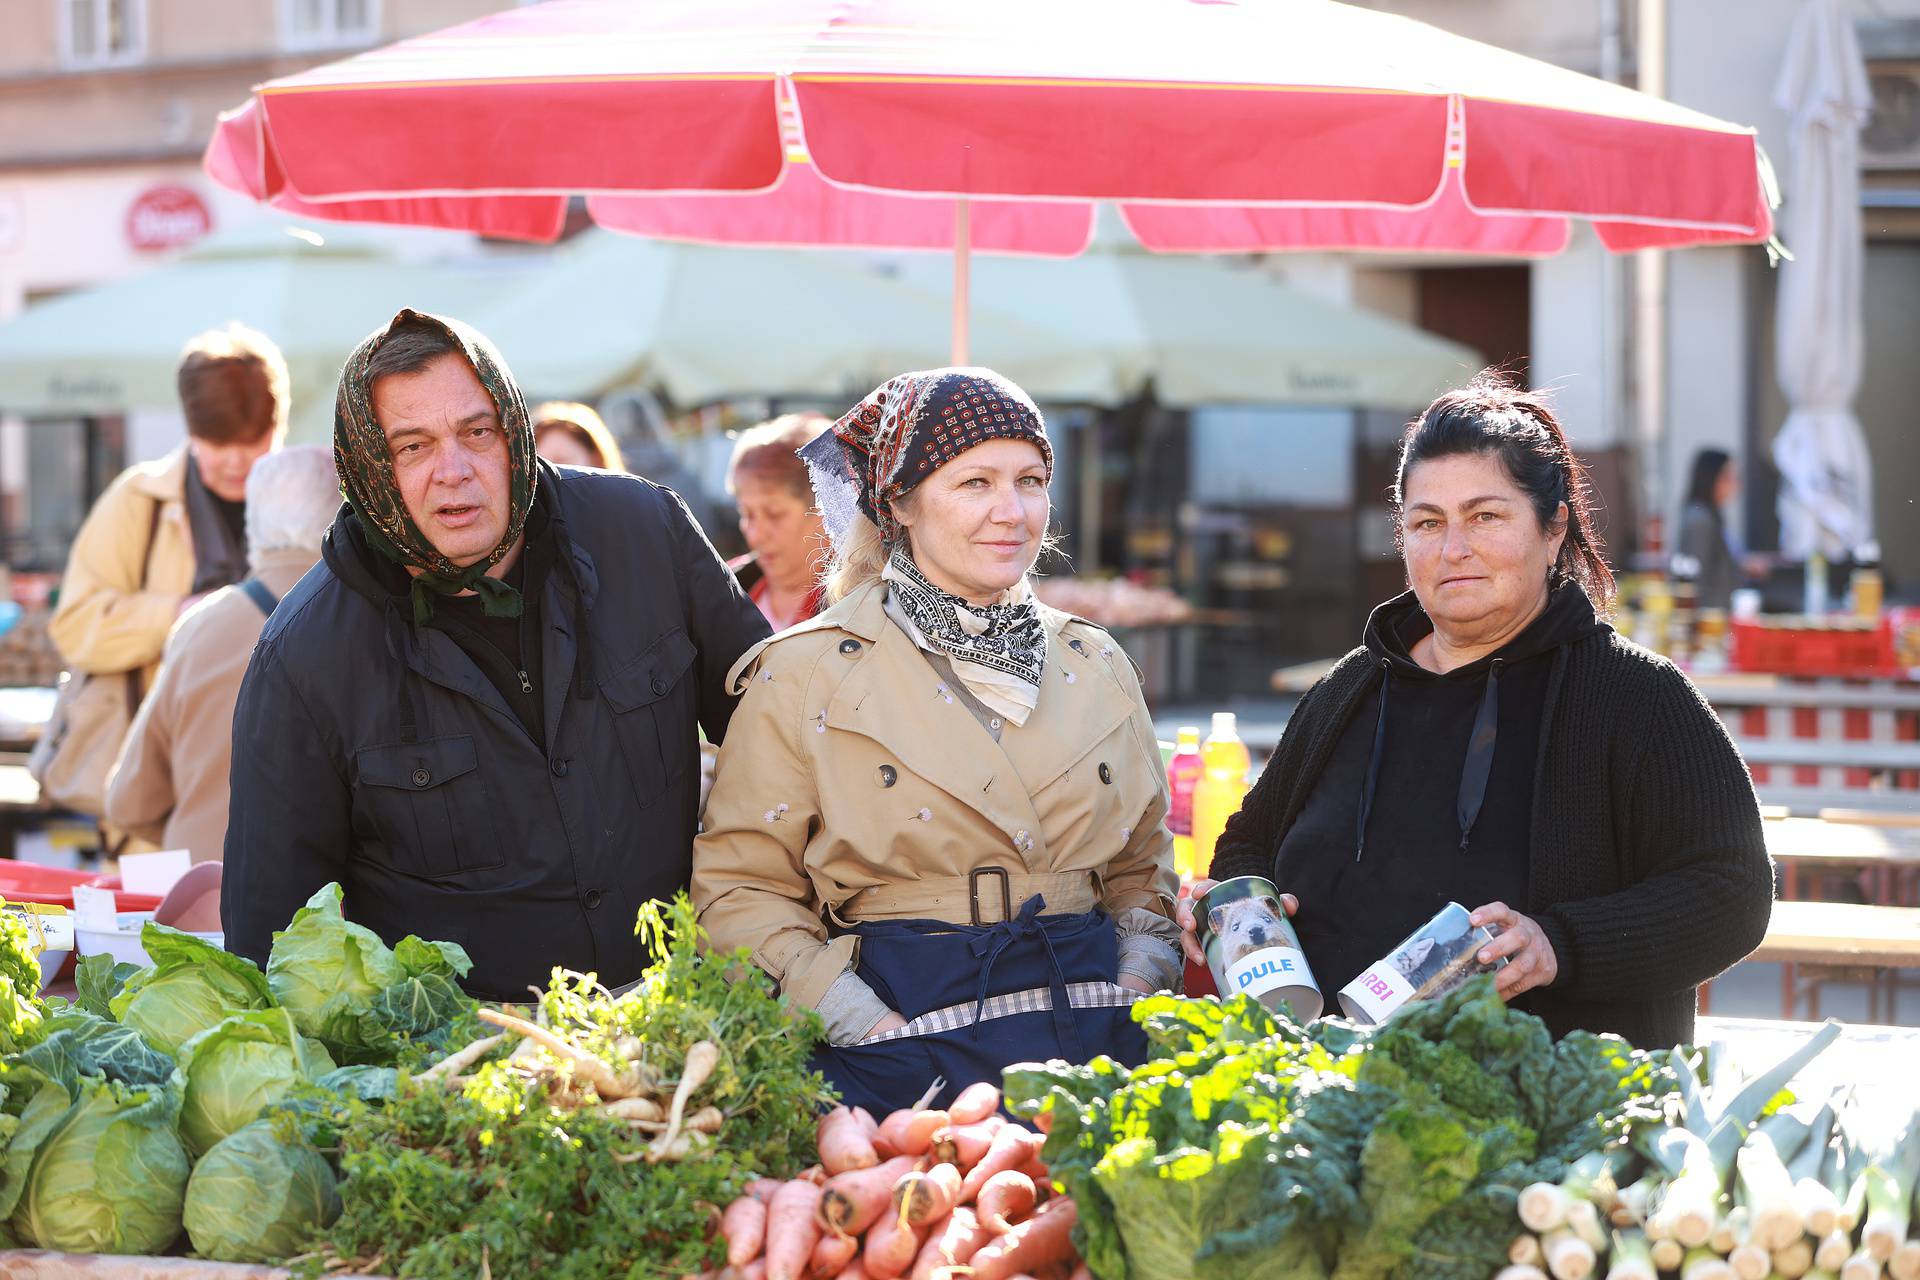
x=1006 y=893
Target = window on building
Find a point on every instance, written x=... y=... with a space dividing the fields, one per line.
x=102 y=33
x=326 y=24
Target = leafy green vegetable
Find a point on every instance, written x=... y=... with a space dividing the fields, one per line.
x=234 y=1071
x=97 y=979
x=501 y=1178
x=190 y=986
x=366 y=1003
x=255 y=1198
x=1252 y=1145
x=104 y=1169
x=78 y=1043
x=20 y=1008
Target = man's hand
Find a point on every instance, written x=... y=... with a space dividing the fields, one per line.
x=1530 y=959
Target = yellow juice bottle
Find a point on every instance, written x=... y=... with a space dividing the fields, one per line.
x=1221 y=788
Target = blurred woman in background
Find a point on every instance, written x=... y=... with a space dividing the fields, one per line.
x=1706 y=538
x=786 y=540
x=572 y=435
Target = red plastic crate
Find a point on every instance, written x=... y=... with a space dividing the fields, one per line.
x=53 y=886
x=1814 y=650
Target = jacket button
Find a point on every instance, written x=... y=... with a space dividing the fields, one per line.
x=592 y=899
x=560 y=767
x=660 y=686
x=888 y=775
x=849 y=647
x=1106 y=773
x=421 y=777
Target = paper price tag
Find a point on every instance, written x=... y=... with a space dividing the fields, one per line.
x=94 y=909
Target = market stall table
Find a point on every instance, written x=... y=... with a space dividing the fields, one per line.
x=1885 y=855
x=1841 y=938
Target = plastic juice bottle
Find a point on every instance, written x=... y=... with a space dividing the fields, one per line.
x=1221 y=788
x=1183 y=774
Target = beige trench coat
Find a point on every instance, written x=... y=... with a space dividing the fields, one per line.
x=169 y=785
x=848 y=765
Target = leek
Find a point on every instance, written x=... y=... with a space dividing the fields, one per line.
x=1568 y=1256
x=1705 y=1264
x=1795 y=1260
x=1632 y=1257
x=1761 y=1184
x=1525 y=1251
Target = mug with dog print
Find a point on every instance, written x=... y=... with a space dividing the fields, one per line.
x=1252 y=949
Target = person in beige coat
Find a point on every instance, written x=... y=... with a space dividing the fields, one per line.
x=938 y=818
x=172 y=529
x=169 y=785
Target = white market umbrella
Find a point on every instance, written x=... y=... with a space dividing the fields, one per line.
x=1826 y=499
x=704 y=323
x=116 y=348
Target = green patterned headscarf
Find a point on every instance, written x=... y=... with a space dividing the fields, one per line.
x=366 y=471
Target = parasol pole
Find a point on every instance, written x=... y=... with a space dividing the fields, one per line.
x=962 y=274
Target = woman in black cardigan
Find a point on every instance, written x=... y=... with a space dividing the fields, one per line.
x=1494 y=742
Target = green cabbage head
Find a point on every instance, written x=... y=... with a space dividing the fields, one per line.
x=234 y=1071
x=254 y=1198
x=327 y=971
x=190 y=986
x=104 y=1171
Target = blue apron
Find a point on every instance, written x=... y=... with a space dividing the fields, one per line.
x=920 y=966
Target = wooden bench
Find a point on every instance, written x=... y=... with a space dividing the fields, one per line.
x=1885 y=858
x=1841 y=939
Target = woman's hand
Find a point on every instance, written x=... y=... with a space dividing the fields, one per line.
x=1189 y=930
x=892 y=1022
x=1530 y=959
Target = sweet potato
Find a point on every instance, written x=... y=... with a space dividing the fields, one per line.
x=891 y=1248
x=855 y=1201
x=792 y=1230
x=1040 y=1241
x=950 y=1244
x=975 y=1103
x=1011 y=1148
x=844 y=1144
x=831 y=1256
x=744 y=1224
x=917 y=1136
x=964 y=1144
x=925 y=1198
x=1007 y=1196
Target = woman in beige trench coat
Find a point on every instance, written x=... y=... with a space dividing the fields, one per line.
x=937 y=818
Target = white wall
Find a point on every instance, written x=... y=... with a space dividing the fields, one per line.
x=1569 y=341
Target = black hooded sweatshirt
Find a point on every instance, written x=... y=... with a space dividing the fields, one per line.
x=1441 y=767
x=1614 y=802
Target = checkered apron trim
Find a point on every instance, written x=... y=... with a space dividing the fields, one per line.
x=955 y=1017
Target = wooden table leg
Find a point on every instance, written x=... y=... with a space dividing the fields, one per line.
x=1704 y=997
x=1787 y=1000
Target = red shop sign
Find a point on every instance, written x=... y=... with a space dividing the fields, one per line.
x=167 y=217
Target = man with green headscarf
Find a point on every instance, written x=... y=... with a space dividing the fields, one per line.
x=480 y=712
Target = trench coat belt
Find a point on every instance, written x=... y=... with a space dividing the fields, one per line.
x=988 y=895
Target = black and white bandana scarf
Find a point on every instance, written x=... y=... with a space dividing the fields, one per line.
x=999 y=650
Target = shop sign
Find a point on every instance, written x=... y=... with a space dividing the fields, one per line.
x=167 y=217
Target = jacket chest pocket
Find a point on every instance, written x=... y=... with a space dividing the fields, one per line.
x=427 y=804
x=653 y=713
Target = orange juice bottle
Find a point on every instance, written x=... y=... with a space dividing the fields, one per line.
x=1221 y=788
x=1183 y=774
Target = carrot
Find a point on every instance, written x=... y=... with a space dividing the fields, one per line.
x=1082 y=1272
x=744 y=1224
x=762 y=1189
x=791 y=1230
x=831 y=1256
x=813 y=1173
x=855 y=1201
x=868 y=1124
x=854 y=1271
x=1008 y=1194
x=893 y=1132
x=924 y=1198
x=755 y=1270
x=920 y=1128
x=1044 y=1121
x=975 y=1103
x=1011 y=1148
x=1043 y=1239
x=844 y=1144
x=891 y=1248
x=965 y=1144
x=951 y=1244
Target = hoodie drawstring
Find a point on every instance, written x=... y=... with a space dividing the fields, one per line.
x=1373 y=762
x=1474 y=773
